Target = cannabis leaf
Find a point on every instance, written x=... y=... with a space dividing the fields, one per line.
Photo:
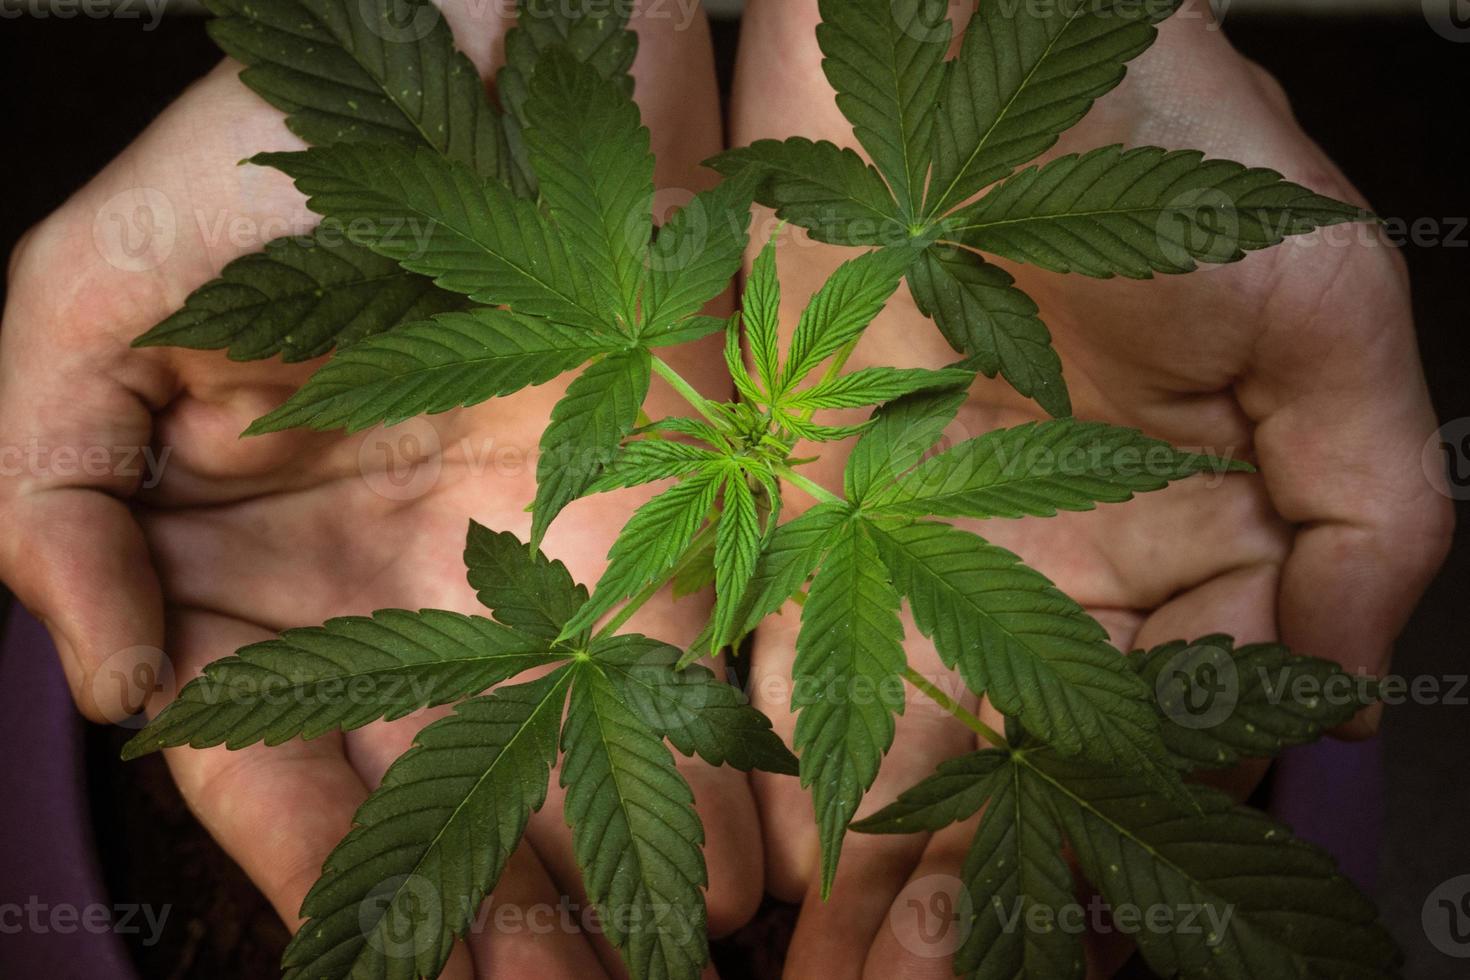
x=885 y=60
x=395 y=892
x=343 y=72
x=737 y=549
x=590 y=150
x=981 y=312
x=599 y=409
x=1022 y=80
x=342 y=675
x=451 y=361
x=300 y=297
x=589 y=31
x=847 y=683
x=1136 y=212
x=1258 y=698
x=902 y=431
x=522 y=588
x=1041 y=468
x=1201 y=872
x=840 y=311
x=437 y=217
x=635 y=833
x=1016 y=638
x=948 y=130
x=829 y=191
x=696 y=255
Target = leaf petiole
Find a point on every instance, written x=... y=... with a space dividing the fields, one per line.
x=965 y=717
x=810 y=487
x=686 y=390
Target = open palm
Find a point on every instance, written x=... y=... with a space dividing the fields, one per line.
x=243 y=538
x=1300 y=359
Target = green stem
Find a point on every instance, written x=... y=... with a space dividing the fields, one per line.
x=811 y=488
x=967 y=718
x=653 y=588
x=684 y=388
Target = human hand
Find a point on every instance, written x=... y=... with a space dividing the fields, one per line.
x=1301 y=359
x=242 y=538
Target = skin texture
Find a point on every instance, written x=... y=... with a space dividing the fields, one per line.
x=1301 y=359
x=247 y=537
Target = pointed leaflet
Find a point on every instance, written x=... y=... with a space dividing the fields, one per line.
x=452 y=361
x=1243 y=898
x=1039 y=468
x=871 y=386
x=438 y=218
x=841 y=310
x=1221 y=703
x=432 y=840
x=1016 y=638
x=352 y=71
x=698 y=712
x=634 y=832
x=1017 y=881
x=1024 y=77
x=342 y=675
x=599 y=409
x=737 y=548
x=981 y=313
x=1117 y=212
x=524 y=590
x=847 y=683
x=591 y=31
x=697 y=253
x=901 y=433
x=649 y=460
x=788 y=557
x=885 y=59
x=830 y=192
x=651 y=542
x=760 y=306
x=300 y=297
x=590 y=150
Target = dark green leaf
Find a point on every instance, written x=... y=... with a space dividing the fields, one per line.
x=438 y=218
x=598 y=411
x=300 y=297
x=828 y=191
x=635 y=833
x=982 y=313
x=697 y=254
x=1023 y=77
x=885 y=59
x=1117 y=212
x=522 y=589
x=847 y=683
x=956 y=791
x=342 y=675
x=432 y=840
x=1039 y=468
x=590 y=152
x=451 y=361
x=902 y=431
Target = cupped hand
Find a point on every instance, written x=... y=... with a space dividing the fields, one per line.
x=1301 y=359
x=242 y=538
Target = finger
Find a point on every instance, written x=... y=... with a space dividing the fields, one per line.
x=928 y=919
x=924 y=736
x=277 y=810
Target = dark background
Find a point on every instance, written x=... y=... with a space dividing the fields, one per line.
x=1384 y=95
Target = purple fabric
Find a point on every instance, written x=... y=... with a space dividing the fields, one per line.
x=1330 y=793
x=49 y=875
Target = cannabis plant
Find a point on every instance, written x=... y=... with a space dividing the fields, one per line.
x=468 y=250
